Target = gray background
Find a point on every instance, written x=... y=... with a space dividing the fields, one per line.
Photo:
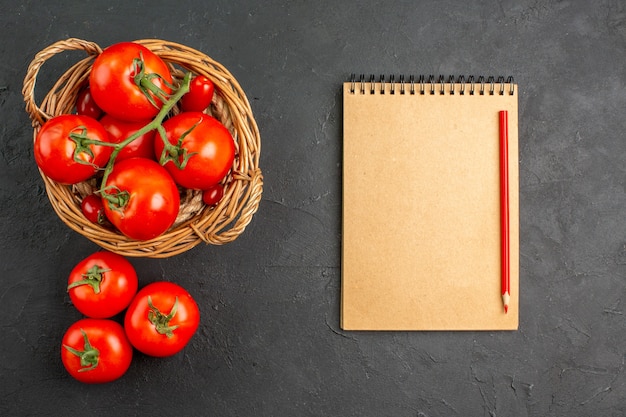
x=269 y=343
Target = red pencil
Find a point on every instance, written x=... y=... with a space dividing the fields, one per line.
x=504 y=209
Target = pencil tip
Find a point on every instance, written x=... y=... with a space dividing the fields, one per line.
x=505 y=301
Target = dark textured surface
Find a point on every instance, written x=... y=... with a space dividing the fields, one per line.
x=269 y=343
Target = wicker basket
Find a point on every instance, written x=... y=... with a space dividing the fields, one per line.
x=196 y=222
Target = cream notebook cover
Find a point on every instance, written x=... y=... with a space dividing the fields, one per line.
x=421 y=205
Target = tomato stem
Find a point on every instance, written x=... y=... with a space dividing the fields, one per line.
x=146 y=84
x=161 y=321
x=93 y=277
x=178 y=155
x=116 y=198
x=89 y=356
x=82 y=141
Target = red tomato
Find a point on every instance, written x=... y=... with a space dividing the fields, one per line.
x=93 y=209
x=113 y=81
x=161 y=319
x=85 y=104
x=151 y=198
x=96 y=351
x=102 y=285
x=120 y=130
x=199 y=96
x=59 y=156
x=213 y=195
x=208 y=144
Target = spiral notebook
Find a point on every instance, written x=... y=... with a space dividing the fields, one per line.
x=421 y=233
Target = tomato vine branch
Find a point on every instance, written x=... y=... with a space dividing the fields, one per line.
x=146 y=84
x=174 y=153
x=155 y=124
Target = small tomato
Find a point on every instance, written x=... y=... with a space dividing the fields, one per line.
x=213 y=195
x=86 y=105
x=93 y=209
x=200 y=94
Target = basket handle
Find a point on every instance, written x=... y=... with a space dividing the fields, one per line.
x=37 y=115
x=252 y=205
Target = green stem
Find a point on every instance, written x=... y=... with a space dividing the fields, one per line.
x=174 y=153
x=161 y=321
x=88 y=357
x=93 y=277
x=147 y=85
x=97 y=142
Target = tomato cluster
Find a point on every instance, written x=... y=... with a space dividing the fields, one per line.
x=159 y=319
x=143 y=136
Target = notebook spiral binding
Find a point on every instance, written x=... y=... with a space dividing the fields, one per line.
x=422 y=85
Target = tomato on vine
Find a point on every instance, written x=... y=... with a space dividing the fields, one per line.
x=71 y=148
x=140 y=198
x=96 y=351
x=130 y=82
x=102 y=284
x=161 y=319
x=200 y=150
